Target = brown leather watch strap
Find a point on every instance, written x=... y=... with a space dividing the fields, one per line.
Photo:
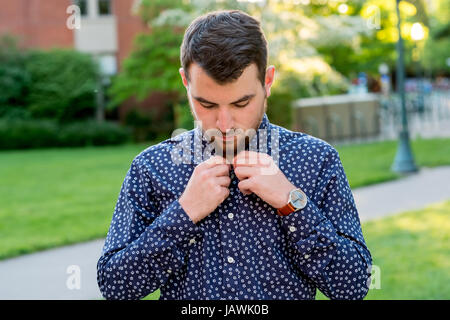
x=286 y=210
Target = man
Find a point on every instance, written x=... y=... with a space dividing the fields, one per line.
x=267 y=215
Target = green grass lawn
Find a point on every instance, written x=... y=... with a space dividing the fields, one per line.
x=54 y=197
x=370 y=163
x=412 y=251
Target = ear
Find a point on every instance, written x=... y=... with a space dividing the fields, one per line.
x=183 y=77
x=270 y=76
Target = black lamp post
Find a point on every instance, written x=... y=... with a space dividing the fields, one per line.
x=417 y=34
x=404 y=159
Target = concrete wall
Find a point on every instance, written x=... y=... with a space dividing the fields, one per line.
x=340 y=117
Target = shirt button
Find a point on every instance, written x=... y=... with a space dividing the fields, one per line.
x=292 y=229
x=230 y=215
x=169 y=271
x=192 y=241
x=306 y=256
x=230 y=260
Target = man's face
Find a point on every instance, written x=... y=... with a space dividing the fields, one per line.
x=228 y=111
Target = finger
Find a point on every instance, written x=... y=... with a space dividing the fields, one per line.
x=219 y=170
x=251 y=158
x=225 y=193
x=246 y=186
x=244 y=172
x=214 y=161
x=242 y=157
x=223 y=181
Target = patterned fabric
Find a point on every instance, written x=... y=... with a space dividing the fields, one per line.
x=243 y=249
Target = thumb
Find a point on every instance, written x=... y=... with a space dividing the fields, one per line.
x=245 y=186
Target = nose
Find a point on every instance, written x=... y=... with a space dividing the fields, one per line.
x=224 y=119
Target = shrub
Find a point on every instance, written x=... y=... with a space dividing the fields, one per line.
x=62 y=86
x=8 y=112
x=279 y=110
x=27 y=134
x=14 y=78
x=150 y=124
x=23 y=134
x=93 y=133
x=56 y=84
x=183 y=116
x=141 y=124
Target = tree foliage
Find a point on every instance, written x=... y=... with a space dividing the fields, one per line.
x=315 y=45
x=292 y=36
x=435 y=49
x=152 y=66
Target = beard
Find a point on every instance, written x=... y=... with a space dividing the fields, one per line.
x=240 y=141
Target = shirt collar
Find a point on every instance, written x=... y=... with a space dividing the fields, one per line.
x=264 y=122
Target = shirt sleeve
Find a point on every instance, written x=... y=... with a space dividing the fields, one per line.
x=327 y=239
x=143 y=246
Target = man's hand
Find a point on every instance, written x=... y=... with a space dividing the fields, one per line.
x=207 y=188
x=259 y=174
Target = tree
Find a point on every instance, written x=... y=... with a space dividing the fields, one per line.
x=291 y=33
x=435 y=49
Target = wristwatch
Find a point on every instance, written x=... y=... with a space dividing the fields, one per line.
x=297 y=200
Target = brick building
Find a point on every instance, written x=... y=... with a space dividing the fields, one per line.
x=106 y=30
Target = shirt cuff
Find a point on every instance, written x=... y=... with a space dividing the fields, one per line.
x=302 y=223
x=175 y=223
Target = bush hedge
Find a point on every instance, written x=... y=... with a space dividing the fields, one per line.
x=93 y=133
x=56 y=84
x=62 y=86
x=27 y=134
x=14 y=78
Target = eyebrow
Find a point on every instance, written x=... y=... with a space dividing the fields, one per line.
x=246 y=97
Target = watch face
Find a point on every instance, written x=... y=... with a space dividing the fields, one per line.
x=298 y=199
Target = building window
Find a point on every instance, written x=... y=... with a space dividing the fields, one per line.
x=104 y=7
x=82 y=4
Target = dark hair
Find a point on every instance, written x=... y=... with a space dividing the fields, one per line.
x=224 y=43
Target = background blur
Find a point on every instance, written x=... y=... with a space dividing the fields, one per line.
x=86 y=85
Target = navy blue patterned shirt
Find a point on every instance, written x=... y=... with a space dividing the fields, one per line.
x=243 y=249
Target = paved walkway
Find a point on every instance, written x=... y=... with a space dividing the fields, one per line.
x=45 y=275
x=411 y=192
